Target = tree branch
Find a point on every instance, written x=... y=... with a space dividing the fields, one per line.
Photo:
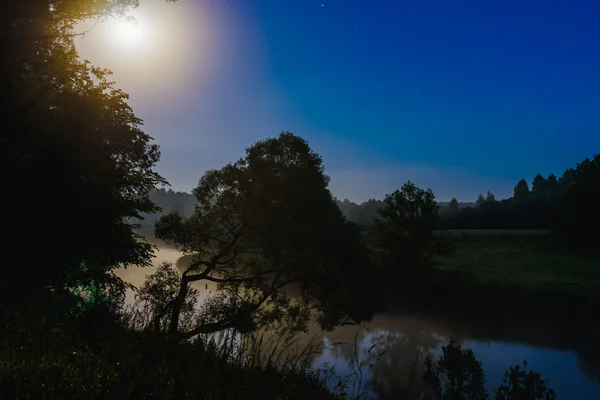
x=164 y=312
x=211 y=327
x=238 y=278
x=272 y=290
x=228 y=323
x=54 y=35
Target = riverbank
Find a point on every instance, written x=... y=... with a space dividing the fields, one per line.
x=49 y=350
x=509 y=284
x=524 y=260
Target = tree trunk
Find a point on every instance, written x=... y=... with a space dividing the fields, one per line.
x=177 y=305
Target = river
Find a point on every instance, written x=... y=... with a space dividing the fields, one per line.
x=396 y=339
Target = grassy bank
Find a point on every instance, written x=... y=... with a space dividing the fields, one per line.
x=48 y=351
x=528 y=260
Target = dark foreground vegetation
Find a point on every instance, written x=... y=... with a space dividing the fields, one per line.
x=60 y=348
x=256 y=228
x=63 y=347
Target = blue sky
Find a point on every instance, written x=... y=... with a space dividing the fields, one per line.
x=461 y=96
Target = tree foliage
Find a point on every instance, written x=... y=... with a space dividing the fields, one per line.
x=403 y=232
x=263 y=226
x=521 y=384
x=522 y=194
x=457 y=375
x=453 y=206
x=362 y=214
x=565 y=205
x=579 y=216
x=70 y=135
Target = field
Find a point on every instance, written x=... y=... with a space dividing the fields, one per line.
x=524 y=259
x=493 y=232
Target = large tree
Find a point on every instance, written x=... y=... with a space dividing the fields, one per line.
x=579 y=215
x=76 y=163
x=521 y=195
x=403 y=232
x=266 y=227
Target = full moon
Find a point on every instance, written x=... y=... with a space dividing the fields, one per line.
x=129 y=33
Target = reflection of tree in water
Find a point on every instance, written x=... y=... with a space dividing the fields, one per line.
x=401 y=367
x=393 y=352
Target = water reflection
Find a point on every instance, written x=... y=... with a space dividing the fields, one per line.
x=392 y=346
x=137 y=275
x=392 y=357
x=401 y=343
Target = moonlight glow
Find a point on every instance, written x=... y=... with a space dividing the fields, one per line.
x=163 y=41
x=129 y=32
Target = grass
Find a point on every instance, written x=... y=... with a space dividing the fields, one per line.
x=48 y=352
x=494 y=232
x=523 y=259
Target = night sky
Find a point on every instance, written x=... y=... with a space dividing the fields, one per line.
x=459 y=96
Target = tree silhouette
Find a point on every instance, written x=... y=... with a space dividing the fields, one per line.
x=519 y=384
x=457 y=375
x=579 y=215
x=480 y=200
x=262 y=224
x=522 y=194
x=453 y=206
x=70 y=135
x=403 y=232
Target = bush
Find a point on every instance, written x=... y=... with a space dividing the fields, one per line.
x=519 y=384
x=457 y=375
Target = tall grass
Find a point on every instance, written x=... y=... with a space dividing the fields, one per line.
x=47 y=352
x=279 y=347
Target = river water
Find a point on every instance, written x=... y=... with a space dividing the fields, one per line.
x=398 y=343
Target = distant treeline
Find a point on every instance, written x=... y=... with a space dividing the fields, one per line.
x=549 y=201
x=169 y=201
x=361 y=214
x=535 y=208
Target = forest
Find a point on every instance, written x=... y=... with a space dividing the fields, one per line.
x=280 y=252
x=549 y=205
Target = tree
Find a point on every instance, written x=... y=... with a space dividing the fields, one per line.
x=519 y=384
x=552 y=180
x=480 y=200
x=563 y=204
x=539 y=188
x=261 y=225
x=453 y=206
x=457 y=375
x=521 y=192
x=579 y=215
x=403 y=232
x=567 y=179
x=68 y=135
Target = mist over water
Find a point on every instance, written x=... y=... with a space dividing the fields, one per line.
x=393 y=345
